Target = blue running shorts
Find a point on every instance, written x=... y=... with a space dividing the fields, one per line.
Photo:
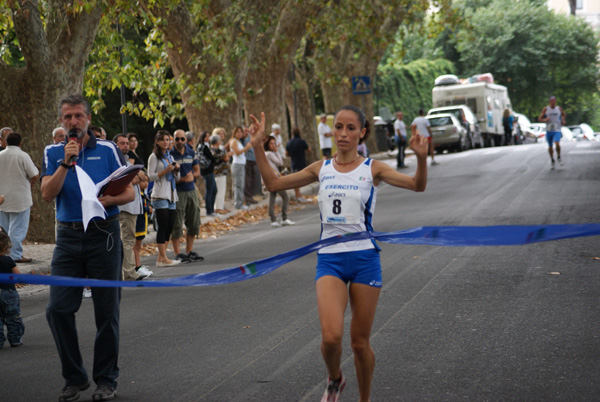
x=361 y=266
x=553 y=136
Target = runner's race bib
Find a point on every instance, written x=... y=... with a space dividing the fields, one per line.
x=341 y=206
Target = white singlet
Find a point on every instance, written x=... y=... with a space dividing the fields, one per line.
x=554 y=116
x=347 y=202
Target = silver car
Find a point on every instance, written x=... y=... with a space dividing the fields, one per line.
x=447 y=132
x=467 y=119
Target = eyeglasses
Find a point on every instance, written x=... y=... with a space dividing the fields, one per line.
x=179 y=138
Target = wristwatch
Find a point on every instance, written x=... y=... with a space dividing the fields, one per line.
x=65 y=165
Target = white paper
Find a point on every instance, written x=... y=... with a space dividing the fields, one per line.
x=90 y=206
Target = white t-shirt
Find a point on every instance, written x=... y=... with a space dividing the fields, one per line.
x=17 y=170
x=323 y=129
x=399 y=125
x=422 y=123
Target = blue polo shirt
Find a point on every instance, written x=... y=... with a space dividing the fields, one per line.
x=98 y=159
x=186 y=161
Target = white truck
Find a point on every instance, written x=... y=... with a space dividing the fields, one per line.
x=486 y=100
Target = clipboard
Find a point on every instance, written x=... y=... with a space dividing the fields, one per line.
x=116 y=183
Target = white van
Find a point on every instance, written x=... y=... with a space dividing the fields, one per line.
x=486 y=100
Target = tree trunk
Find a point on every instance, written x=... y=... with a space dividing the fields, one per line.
x=55 y=57
x=275 y=49
x=302 y=84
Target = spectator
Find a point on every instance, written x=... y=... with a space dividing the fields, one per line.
x=132 y=155
x=98 y=132
x=221 y=169
x=58 y=135
x=187 y=207
x=10 y=309
x=14 y=212
x=207 y=170
x=252 y=178
x=276 y=132
x=422 y=126
x=296 y=149
x=3 y=133
x=141 y=227
x=128 y=214
x=276 y=163
x=400 y=136
x=507 y=125
x=189 y=135
x=325 y=135
x=163 y=171
x=238 y=166
x=95 y=253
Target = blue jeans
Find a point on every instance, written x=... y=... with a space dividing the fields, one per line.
x=10 y=315
x=401 y=143
x=211 y=193
x=96 y=254
x=16 y=225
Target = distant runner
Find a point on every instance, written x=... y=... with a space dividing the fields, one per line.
x=554 y=116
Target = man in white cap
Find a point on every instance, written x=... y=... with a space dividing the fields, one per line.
x=276 y=132
x=325 y=135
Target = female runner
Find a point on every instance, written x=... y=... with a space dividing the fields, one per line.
x=347 y=195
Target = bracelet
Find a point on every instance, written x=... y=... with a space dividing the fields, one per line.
x=65 y=165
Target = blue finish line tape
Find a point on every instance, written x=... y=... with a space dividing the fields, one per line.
x=450 y=236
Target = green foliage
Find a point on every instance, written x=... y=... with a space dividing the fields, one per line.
x=220 y=39
x=408 y=87
x=535 y=53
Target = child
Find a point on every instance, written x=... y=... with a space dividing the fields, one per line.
x=141 y=227
x=10 y=310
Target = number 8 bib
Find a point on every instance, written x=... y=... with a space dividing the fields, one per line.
x=340 y=206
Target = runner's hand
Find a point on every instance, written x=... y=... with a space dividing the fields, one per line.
x=419 y=144
x=257 y=130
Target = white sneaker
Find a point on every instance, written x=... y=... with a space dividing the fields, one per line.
x=143 y=270
x=301 y=199
x=433 y=163
x=87 y=292
x=275 y=224
x=287 y=222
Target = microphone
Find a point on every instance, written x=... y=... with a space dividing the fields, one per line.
x=73 y=136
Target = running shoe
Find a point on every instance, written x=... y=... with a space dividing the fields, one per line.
x=334 y=389
x=193 y=256
x=552 y=164
x=433 y=163
x=287 y=222
x=182 y=257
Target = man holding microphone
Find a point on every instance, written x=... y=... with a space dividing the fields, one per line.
x=95 y=253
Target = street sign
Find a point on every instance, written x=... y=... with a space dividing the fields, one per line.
x=361 y=85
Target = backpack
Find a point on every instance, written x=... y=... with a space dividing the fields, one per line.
x=202 y=159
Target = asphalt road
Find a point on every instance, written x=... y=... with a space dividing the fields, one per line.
x=453 y=323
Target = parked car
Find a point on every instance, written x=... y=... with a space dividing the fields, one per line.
x=567 y=134
x=467 y=119
x=583 y=132
x=523 y=127
x=447 y=132
x=539 y=130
